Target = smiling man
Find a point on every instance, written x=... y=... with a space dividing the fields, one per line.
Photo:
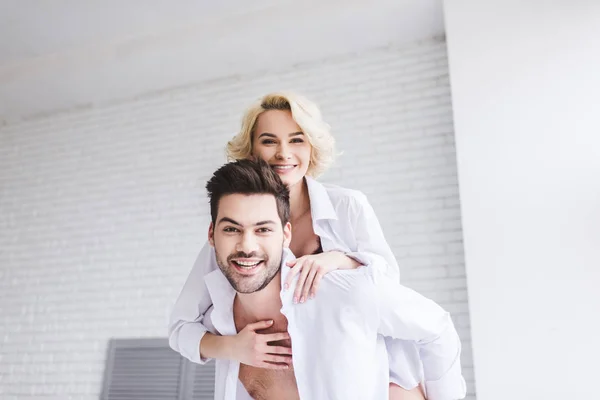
x=249 y=229
x=249 y=272
x=337 y=339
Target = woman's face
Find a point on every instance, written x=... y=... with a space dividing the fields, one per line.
x=279 y=141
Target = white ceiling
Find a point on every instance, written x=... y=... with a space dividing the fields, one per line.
x=57 y=54
x=32 y=28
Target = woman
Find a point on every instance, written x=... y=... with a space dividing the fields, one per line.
x=332 y=228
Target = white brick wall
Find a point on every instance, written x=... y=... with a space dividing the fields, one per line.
x=103 y=209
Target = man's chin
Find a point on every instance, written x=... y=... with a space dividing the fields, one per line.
x=247 y=287
x=252 y=283
x=246 y=291
x=244 y=283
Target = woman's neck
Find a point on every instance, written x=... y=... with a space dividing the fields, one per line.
x=299 y=200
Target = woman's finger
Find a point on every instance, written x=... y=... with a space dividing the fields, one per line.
x=268 y=365
x=317 y=282
x=300 y=284
x=309 y=283
x=273 y=358
x=274 y=337
x=295 y=270
x=256 y=326
x=291 y=263
x=279 y=350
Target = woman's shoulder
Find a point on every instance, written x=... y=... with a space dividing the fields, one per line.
x=344 y=196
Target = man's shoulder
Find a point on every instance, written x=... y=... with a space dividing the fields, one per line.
x=348 y=297
x=358 y=282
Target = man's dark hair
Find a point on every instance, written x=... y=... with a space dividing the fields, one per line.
x=248 y=177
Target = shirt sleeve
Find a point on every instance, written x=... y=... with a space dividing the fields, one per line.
x=371 y=247
x=407 y=315
x=187 y=320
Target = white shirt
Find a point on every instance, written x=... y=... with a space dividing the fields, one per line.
x=345 y=221
x=338 y=346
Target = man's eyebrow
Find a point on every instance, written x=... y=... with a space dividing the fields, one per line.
x=226 y=219
x=231 y=221
x=275 y=136
x=266 y=222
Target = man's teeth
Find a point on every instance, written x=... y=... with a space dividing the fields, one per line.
x=247 y=264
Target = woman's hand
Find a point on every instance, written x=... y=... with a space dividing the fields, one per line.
x=251 y=348
x=312 y=268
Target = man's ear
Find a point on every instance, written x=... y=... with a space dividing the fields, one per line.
x=287 y=234
x=211 y=234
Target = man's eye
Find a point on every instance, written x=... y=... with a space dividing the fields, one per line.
x=229 y=229
x=264 y=230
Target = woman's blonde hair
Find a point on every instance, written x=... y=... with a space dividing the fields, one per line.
x=306 y=114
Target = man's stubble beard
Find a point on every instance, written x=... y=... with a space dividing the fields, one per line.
x=240 y=282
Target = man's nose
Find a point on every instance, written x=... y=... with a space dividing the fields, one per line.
x=247 y=243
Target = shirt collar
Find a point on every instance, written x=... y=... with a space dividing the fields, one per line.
x=320 y=203
x=222 y=295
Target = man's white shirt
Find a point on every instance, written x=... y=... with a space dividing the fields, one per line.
x=338 y=345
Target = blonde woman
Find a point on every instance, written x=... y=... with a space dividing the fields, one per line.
x=332 y=228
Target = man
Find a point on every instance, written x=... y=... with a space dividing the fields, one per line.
x=337 y=339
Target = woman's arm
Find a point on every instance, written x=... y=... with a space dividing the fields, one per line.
x=186 y=323
x=371 y=247
x=249 y=347
x=368 y=246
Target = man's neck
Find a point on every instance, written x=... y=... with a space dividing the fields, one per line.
x=299 y=200
x=264 y=304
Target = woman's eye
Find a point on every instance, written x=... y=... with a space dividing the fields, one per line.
x=268 y=141
x=297 y=141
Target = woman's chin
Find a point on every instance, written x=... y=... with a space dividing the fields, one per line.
x=291 y=181
x=292 y=177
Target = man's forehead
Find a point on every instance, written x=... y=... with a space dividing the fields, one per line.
x=248 y=209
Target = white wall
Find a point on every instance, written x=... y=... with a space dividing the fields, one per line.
x=526 y=96
x=103 y=209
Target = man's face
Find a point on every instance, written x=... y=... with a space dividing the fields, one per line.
x=248 y=239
